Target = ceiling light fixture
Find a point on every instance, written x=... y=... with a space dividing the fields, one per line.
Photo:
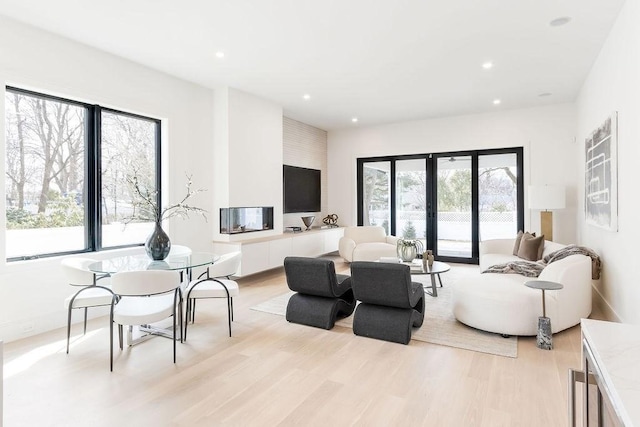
x=487 y=65
x=354 y=120
x=306 y=97
x=496 y=102
x=558 y=22
x=220 y=54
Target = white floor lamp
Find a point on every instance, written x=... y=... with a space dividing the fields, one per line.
x=546 y=198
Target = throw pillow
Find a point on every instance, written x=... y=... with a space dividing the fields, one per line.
x=521 y=234
x=531 y=248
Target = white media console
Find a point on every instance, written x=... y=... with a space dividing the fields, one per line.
x=264 y=253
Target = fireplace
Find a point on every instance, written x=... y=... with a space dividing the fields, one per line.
x=246 y=220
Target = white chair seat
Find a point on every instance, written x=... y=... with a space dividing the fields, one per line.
x=90 y=297
x=212 y=289
x=140 y=311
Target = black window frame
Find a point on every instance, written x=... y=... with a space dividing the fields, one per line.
x=93 y=171
x=431 y=196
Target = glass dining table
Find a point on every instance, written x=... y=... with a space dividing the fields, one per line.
x=184 y=263
x=141 y=262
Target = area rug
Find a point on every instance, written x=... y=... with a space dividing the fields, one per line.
x=439 y=327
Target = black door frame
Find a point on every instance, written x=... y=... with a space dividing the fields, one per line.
x=431 y=196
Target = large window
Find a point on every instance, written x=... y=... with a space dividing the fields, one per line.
x=68 y=171
x=449 y=201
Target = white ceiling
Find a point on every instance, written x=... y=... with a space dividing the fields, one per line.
x=380 y=60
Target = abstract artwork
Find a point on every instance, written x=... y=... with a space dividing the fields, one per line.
x=601 y=175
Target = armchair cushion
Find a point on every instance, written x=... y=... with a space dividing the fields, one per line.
x=368 y=243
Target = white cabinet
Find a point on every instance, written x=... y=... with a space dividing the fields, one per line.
x=264 y=253
x=278 y=250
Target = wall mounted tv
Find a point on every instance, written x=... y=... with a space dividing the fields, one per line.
x=301 y=189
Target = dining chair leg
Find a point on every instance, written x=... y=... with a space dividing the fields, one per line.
x=229 y=314
x=182 y=337
x=232 y=308
x=111 y=345
x=68 y=327
x=193 y=310
x=120 y=334
x=85 y=321
x=174 y=333
x=186 y=323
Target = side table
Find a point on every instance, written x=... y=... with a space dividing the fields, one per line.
x=545 y=337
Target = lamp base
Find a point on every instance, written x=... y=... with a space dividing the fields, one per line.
x=546 y=224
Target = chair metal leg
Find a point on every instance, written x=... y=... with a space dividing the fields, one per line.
x=188 y=313
x=193 y=310
x=111 y=343
x=232 y=308
x=68 y=327
x=85 y=321
x=120 y=334
x=229 y=314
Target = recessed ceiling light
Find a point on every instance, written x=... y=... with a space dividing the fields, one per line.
x=306 y=97
x=354 y=120
x=496 y=102
x=542 y=95
x=487 y=65
x=220 y=54
x=560 y=21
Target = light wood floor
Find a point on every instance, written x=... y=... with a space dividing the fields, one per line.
x=275 y=373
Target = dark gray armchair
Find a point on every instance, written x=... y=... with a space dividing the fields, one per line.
x=390 y=303
x=322 y=295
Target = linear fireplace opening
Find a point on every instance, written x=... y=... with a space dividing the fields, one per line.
x=246 y=219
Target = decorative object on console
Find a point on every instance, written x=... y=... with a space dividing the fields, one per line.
x=146 y=208
x=408 y=249
x=331 y=220
x=601 y=175
x=308 y=221
x=546 y=198
x=294 y=229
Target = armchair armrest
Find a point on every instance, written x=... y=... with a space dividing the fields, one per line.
x=393 y=240
x=346 y=247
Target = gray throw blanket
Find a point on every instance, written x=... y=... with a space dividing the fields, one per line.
x=533 y=269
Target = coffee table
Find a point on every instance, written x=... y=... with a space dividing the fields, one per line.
x=417 y=268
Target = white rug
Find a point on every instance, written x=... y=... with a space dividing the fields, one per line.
x=439 y=327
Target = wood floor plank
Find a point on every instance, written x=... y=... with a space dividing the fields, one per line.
x=271 y=372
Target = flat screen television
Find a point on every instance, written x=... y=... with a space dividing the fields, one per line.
x=301 y=189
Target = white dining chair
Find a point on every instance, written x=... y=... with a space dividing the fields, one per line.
x=145 y=297
x=214 y=283
x=90 y=293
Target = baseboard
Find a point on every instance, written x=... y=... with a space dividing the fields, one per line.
x=601 y=308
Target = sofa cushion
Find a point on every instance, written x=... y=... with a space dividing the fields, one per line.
x=531 y=248
x=521 y=234
x=487 y=260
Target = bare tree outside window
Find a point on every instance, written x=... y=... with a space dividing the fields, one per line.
x=46 y=181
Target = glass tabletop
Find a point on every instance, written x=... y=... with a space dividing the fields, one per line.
x=416 y=267
x=142 y=262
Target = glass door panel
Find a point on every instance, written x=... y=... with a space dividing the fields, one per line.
x=411 y=199
x=454 y=207
x=498 y=195
x=376 y=192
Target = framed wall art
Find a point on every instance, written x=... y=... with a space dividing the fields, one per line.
x=601 y=175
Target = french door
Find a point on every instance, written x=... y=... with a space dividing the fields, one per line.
x=449 y=201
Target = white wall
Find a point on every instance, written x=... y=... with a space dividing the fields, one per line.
x=613 y=84
x=247 y=157
x=32 y=292
x=546 y=133
x=306 y=146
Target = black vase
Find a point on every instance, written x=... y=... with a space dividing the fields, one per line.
x=158 y=244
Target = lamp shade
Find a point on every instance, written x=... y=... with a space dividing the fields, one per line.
x=546 y=197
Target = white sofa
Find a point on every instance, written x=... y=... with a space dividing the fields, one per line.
x=501 y=303
x=366 y=243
